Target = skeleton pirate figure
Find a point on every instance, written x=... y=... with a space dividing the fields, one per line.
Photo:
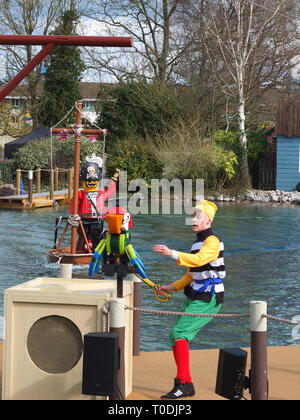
x=91 y=200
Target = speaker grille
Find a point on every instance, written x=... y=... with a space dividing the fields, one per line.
x=54 y=344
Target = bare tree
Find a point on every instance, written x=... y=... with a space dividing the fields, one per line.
x=11 y=123
x=153 y=25
x=27 y=17
x=250 y=45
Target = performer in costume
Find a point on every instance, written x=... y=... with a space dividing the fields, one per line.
x=203 y=287
x=91 y=200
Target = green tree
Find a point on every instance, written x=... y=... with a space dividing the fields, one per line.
x=64 y=69
x=140 y=109
x=135 y=156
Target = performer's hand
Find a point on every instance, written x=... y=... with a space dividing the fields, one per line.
x=162 y=249
x=167 y=289
x=116 y=175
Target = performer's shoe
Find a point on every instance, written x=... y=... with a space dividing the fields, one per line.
x=180 y=390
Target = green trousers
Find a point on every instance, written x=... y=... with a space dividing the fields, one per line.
x=186 y=327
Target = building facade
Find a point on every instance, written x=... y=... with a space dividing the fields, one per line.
x=288 y=146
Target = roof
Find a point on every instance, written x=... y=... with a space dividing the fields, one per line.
x=288 y=119
x=12 y=147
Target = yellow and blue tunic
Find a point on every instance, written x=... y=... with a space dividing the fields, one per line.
x=202 y=284
x=206 y=268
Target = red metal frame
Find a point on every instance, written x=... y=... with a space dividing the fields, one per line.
x=49 y=42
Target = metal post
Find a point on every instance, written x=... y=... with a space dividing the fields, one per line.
x=259 y=367
x=119 y=286
x=137 y=293
x=30 y=193
x=117 y=325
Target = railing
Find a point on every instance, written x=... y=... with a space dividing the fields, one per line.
x=35 y=178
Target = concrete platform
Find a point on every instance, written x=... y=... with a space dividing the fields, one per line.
x=153 y=374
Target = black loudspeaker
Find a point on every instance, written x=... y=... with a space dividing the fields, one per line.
x=231 y=380
x=100 y=364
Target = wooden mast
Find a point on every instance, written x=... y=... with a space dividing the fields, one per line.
x=70 y=254
x=77 y=140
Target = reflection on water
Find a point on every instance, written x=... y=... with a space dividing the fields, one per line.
x=262 y=256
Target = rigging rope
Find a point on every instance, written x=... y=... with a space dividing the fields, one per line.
x=104 y=132
x=51 y=136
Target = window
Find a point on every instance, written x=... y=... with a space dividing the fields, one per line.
x=86 y=104
x=16 y=103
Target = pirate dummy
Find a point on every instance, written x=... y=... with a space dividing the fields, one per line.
x=115 y=252
x=91 y=199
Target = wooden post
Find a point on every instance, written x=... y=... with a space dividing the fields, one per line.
x=259 y=366
x=18 y=181
x=51 y=186
x=77 y=131
x=56 y=172
x=70 y=183
x=117 y=325
x=38 y=180
x=137 y=293
x=30 y=192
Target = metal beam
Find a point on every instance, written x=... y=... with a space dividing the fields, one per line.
x=49 y=42
x=86 y=41
x=27 y=69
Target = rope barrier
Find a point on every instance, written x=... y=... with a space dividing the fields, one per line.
x=276 y=318
x=171 y=313
x=46 y=170
x=152 y=311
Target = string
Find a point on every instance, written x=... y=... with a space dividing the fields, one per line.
x=104 y=132
x=51 y=136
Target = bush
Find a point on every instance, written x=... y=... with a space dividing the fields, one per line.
x=187 y=157
x=7 y=171
x=257 y=144
x=228 y=140
x=135 y=156
x=37 y=153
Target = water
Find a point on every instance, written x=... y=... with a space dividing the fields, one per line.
x=262 y=257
